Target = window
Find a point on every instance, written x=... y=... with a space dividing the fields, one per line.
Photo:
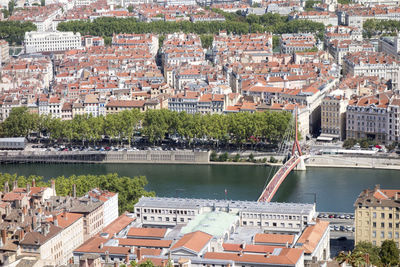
x=390 y=235
x=390 y=216
x=274 y=224
x=374 y=224
x=382 y=234
x=383 y=215
x=382 y=225
x=390 y=225
x=374 y=215
x=373 y=234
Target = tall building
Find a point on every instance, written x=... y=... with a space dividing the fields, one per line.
x=4 y=52
x=333 y=116
x=377 y=216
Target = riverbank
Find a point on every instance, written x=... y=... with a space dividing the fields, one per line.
x=341 y=161
x=191 y=157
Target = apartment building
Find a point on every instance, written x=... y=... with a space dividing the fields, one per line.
x=115 y=106
x=393 y=131
x=367 y=117
x=340 y=48
x=231 y=48
x=333 y=115
x=377 y=214
x=372 y=64
x=325 y=17
x=72 y=233
x=45 y=243
x=110 y=200
x=35 y=42
x=390 y=45
x=296 y=42
x=4 y=52
x=93 y=211
x=141 y=41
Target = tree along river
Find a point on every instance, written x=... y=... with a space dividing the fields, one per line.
x=336 y=188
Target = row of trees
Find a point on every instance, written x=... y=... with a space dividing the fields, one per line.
x=154 y=124
x=274 y=23
x=366 y=254
x=14 y=31
x=129 y=189
x=373 y=27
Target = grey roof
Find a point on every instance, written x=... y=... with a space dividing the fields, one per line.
x=244 y=206
x=13 y=139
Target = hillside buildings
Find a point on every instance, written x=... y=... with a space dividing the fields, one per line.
x=37 y=223
x=377 y=215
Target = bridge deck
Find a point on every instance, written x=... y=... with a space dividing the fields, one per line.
x=278 y=178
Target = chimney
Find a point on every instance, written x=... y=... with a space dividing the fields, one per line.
x=74 y=190
x=65 y=215
x=396 y=197
x=101 y=245
x=6 y=187
x=15 y=184
x=53 y=186
x=4 y=236
x=138 y=254
x=21 y=234
x=24 y=210
x=127 y=259
x=115 y=264
x=33 y=222
x=377 y=187
x=33 y=182
x=28 y=188
x=55 y=221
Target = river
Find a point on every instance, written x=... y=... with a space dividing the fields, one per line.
x=336 y=188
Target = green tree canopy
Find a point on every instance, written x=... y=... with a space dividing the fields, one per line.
x=129 y=189
x=389 y=253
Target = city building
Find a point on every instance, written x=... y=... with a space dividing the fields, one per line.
x=110 y=207
x=4 y=52
x=372 y=64
x=268 y=216
x=296 y=42
x=333 y=115
x=367 y=117
x=377 y=216
x=51 y=41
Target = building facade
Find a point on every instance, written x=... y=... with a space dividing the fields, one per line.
x=51 y=41
x=377 y=216
x=333 y=116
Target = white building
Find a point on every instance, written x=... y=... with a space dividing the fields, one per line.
x=51 y=41
x=273 y=216
x=72 y=233
x=372 y=64
x=110 y=200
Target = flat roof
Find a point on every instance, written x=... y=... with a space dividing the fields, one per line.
x=13 y=139
x=214 y=223
x=243 y=206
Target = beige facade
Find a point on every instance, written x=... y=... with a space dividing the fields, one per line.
x=377 y=216
x=4 y=52
x=92 y=212
x=333 y=116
